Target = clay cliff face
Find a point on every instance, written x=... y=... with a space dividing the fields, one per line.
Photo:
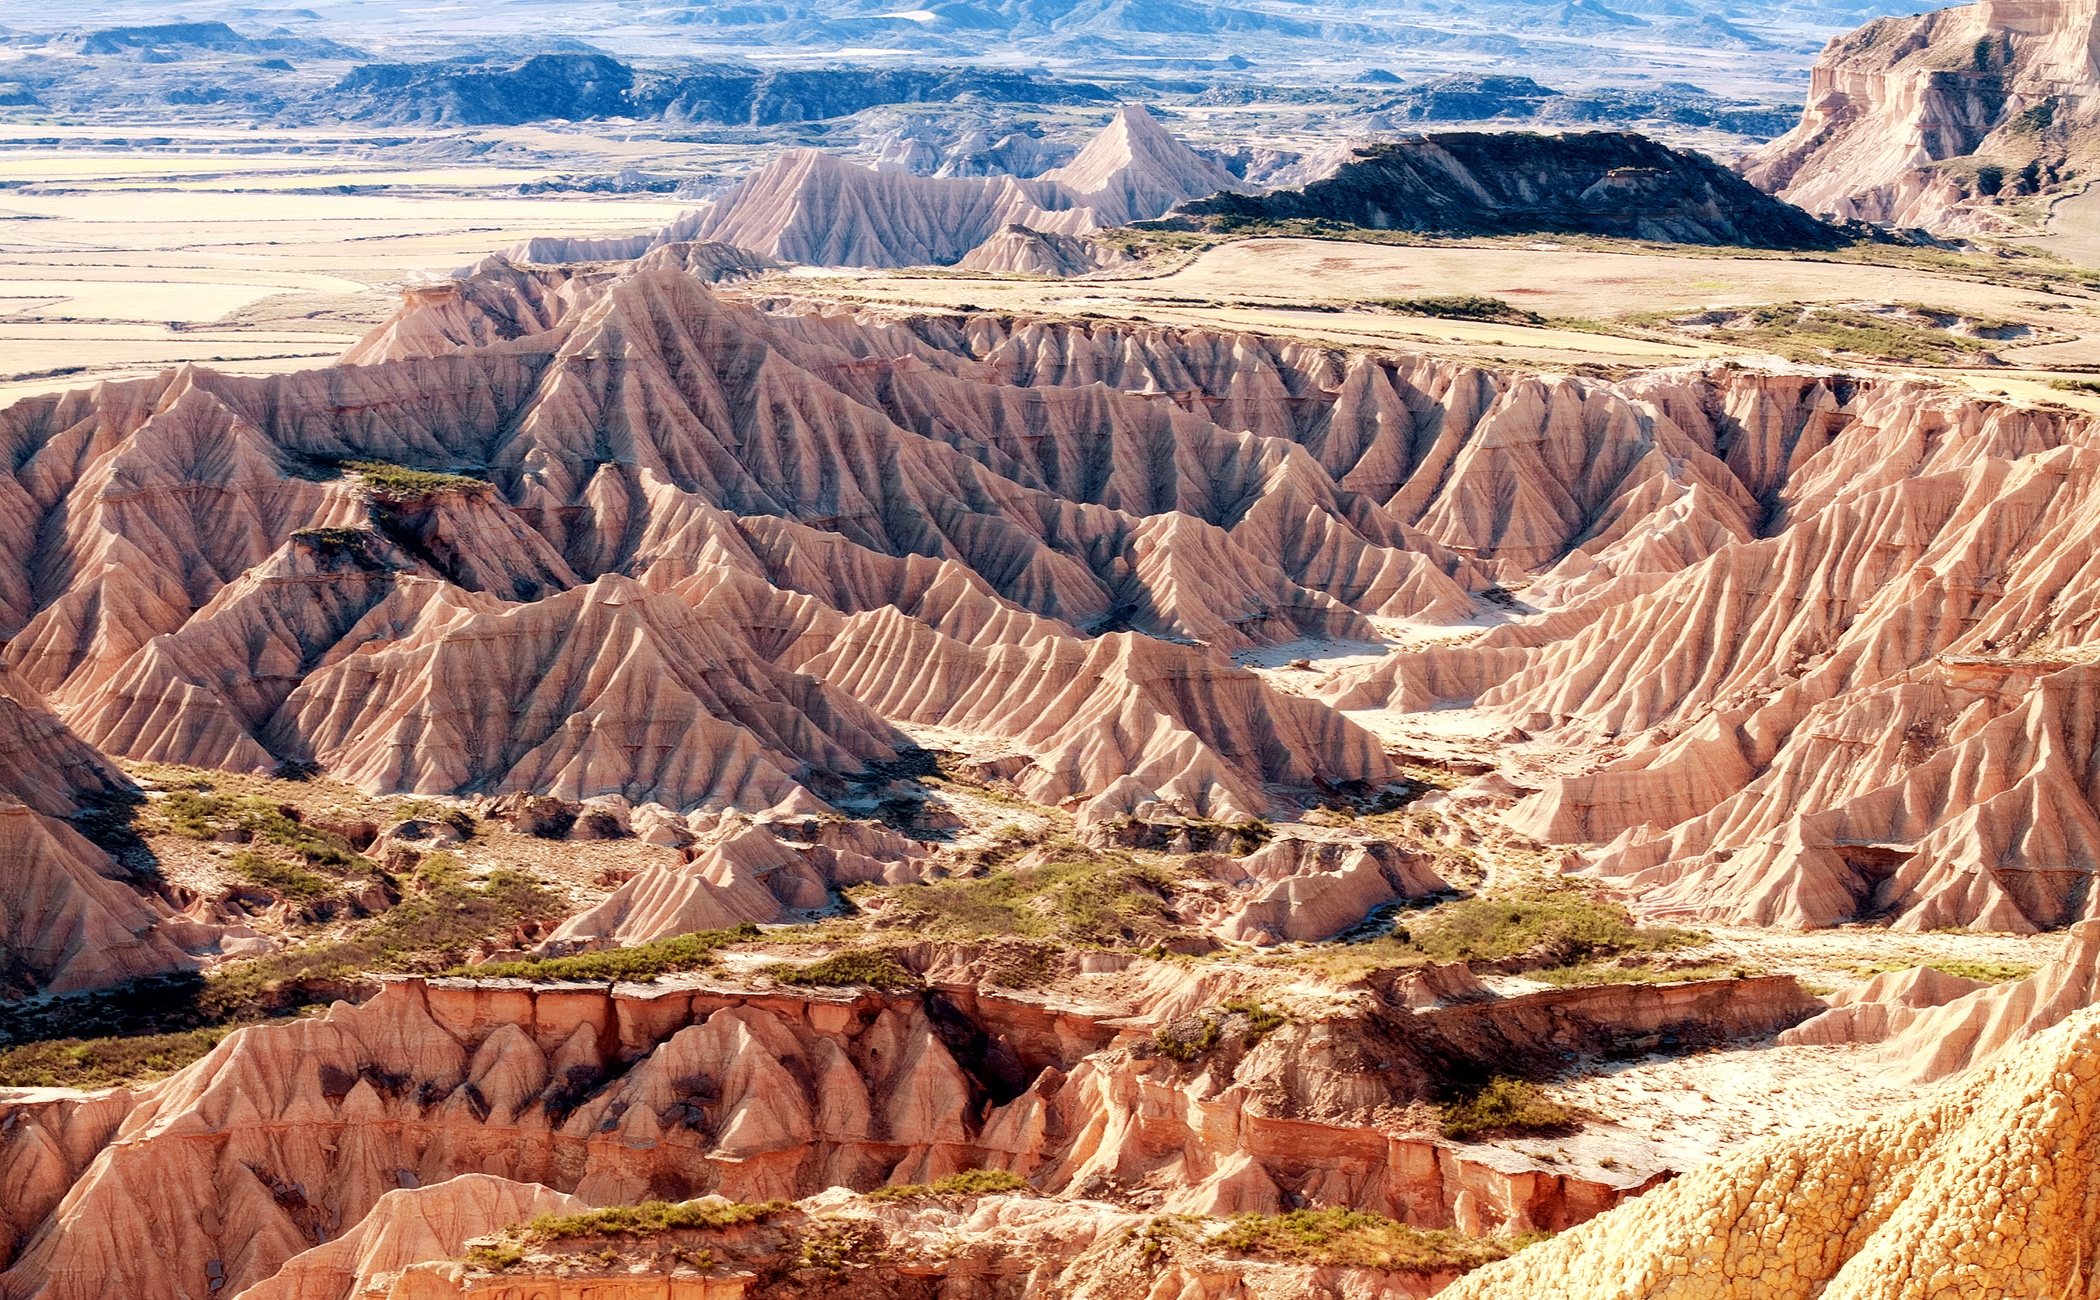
x=287 y=1159
x=1940 y=119
x=1984 y=1188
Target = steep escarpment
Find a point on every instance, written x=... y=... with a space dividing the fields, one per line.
x=1595 y=183
x=289 y=1136
x=1943 y=120
x=1987 y=1186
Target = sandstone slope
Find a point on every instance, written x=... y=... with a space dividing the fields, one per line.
x=71 y=917
x=813 y=207
x=1984 y=1188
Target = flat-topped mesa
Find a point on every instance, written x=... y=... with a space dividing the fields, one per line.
x=1492 y=183
x=1950 y=121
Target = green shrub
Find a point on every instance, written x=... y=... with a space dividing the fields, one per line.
x=1507 y=1108
x=1559 y=926
x=1186 y=1044
x=201 y=815
x=396 y=483
x=874 y=967
x=649 y=1218
x=1477 y=307
x=496 y=1257
x=1073 y=895
x=1990 y=972
x=425 y=932
x=1192 y=1036
x=970 y=1182
x=105 y=1062
x=645 y=961
x=285 y=879
x=1354 y=1239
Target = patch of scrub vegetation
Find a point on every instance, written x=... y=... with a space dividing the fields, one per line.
x=970 y=1182
x=1244 y=1020
x=1469 y=306
x=105 y=1062
x=1063 y=891
x=203 y=815
x=282 y=878
x=648 y=1219
x=2076 y=385
x=430 y=930
x=389 y=482
x=874 y=967
x=1544 y=927
x=1507 y=1108
x=644 y=961
x=355 y=546
x=1355 y=1239
x=1988 y=972
x=1191 y=834
x=1815 y=331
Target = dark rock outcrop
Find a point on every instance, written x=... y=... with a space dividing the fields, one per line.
x=1593 y=183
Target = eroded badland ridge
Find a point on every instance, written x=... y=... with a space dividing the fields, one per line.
x=1095 y=729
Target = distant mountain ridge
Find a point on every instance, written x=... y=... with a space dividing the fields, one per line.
x=575 y=86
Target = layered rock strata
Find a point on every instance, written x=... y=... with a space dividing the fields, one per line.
x=290 y=1135
x=1944 y=120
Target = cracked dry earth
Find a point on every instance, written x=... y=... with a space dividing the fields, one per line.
x=644 y=783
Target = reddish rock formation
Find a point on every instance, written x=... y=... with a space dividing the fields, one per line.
x=71 y=918
x=1015 y=1246
x=290 y=1134
x=407 y=1227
